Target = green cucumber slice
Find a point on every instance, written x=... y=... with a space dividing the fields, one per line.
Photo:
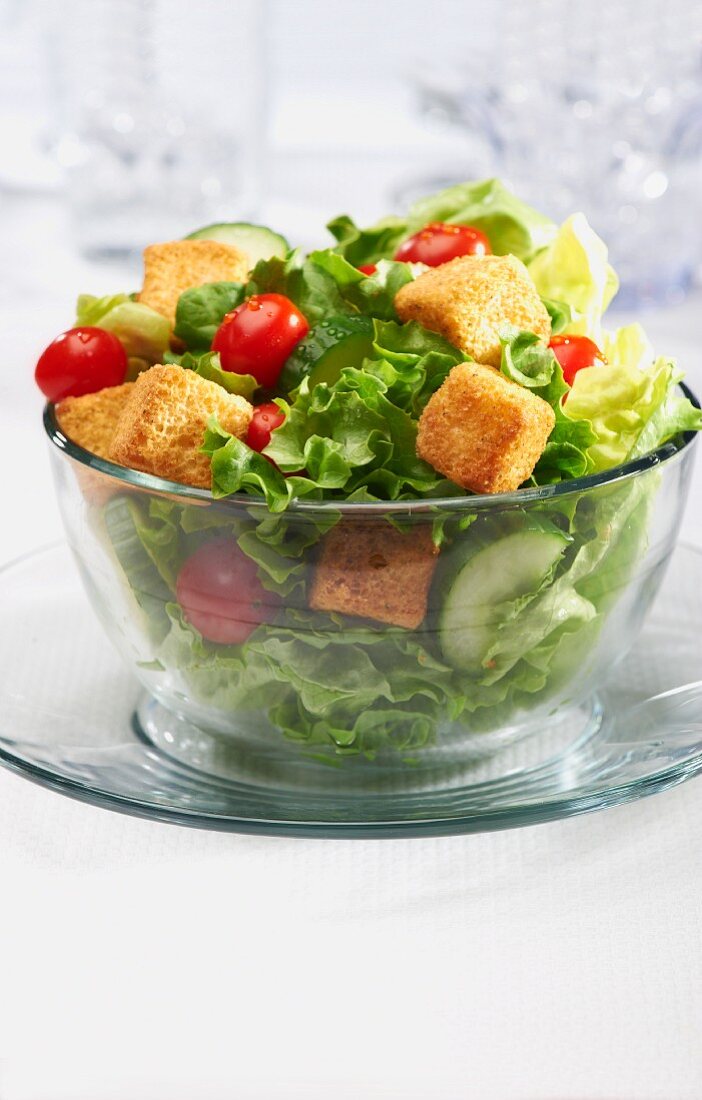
x=496 y=573
x=333 y=344
x=257 y=241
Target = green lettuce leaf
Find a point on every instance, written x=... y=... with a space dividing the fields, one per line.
x=236 y=467
x=354 y=438
x=573 y=270
x=314 y=291
x=560 y=313
x=201 y=310
x=372 y=295
x=530 y=363
x=511 y=225
x=558 y=610
x=207 y=365
x=411 y=362
x=129 y=529
x=351 y=436
x=143 y=332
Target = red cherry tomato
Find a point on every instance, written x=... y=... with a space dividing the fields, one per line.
x=574 y=353
x=258 y=336
x=221 y=595
x=440 y=242
x=82 y=360
x=368 y=269
x=264 y=420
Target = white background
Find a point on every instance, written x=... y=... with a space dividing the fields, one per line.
x=141 y=961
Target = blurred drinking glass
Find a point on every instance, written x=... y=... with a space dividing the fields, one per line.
x=587 y=106
x=160 y=116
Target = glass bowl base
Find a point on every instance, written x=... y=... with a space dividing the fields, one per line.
x=265 y=760
x=74 y=719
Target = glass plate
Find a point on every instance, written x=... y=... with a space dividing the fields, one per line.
x=73 y=719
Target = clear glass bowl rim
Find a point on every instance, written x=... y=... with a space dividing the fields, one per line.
x=491 y=502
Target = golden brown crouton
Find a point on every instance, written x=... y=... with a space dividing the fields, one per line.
x=91 y=420
x=483 y=431
x=171 y=268
x=163 y=424
x=375 y=571
x=469 y=300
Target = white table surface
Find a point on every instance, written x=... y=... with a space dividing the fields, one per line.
x=143 y=961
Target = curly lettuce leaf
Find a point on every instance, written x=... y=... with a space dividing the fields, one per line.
x=411 y=362
x=354 y=429
x=573 y=270
x=201 y=310
x=352 y=438
x=324 y=683
x=511 y=225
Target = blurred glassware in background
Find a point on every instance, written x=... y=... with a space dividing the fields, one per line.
x=586 y=106
x=156 y=130
x=26 y=166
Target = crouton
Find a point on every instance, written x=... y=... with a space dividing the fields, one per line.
x=375 y=571
x=171 y=268
x=91 y=420
x=482 y=431
x=163 y=424
x=469 y=300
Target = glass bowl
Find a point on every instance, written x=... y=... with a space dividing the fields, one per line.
x=531 y=601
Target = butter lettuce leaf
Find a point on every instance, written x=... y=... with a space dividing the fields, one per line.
x=143 y=332
x=573 y=269
x=632 y=411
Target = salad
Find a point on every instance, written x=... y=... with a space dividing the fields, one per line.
x=453 y=353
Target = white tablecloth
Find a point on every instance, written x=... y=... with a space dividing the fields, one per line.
x=146 y=961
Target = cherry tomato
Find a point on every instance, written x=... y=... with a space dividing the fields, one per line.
x=264 y=420
x=258 y=336
x=221 y=595
x=574 y=353
x=82 y=360
x=440 y=242
x=368 y=269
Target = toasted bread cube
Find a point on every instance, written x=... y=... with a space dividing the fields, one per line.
x=171 y=268
x=482 y=431
x=375 y=571
x=471 y=298
x=163 y=424
x=91 y=420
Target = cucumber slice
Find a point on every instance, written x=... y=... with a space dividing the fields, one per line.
x=331 y=345
x=257 y=241
x=496 y=573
